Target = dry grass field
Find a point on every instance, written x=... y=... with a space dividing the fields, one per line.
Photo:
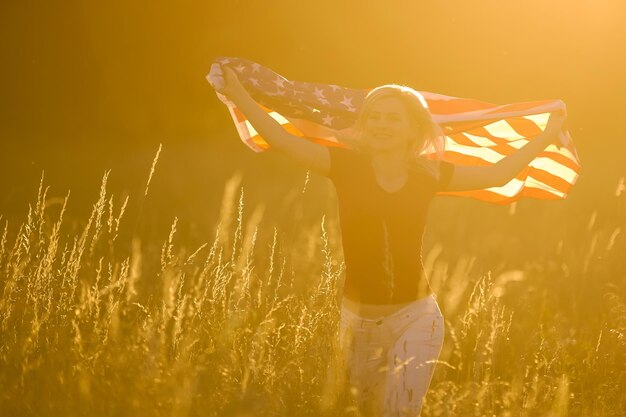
x=211 y=285
x=246 y=323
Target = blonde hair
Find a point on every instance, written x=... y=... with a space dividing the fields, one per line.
x=429 y=137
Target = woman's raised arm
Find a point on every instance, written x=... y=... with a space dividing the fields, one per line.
x=496 y=175
x=312 y=156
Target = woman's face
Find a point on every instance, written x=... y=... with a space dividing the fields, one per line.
x=388 y=127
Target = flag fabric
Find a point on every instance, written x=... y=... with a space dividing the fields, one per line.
x=477 y=132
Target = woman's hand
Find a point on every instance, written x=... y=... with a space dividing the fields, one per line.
x=225 y=81
x=555 y=131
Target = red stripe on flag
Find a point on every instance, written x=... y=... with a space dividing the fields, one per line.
x=457 y=106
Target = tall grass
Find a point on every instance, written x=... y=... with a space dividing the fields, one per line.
x=240 y=326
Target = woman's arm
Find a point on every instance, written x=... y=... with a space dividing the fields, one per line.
x=496 y=175
x=310 y=155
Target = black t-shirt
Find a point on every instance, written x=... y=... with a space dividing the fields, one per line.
x=382 y=231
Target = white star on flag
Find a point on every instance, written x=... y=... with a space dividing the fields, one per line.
x=319 y=92
x=347 y=101
x=277 y=93
x=328 y=120
x=279 y=82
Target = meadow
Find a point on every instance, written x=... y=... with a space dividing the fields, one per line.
x=98 y=321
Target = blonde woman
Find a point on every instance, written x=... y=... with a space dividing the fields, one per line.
x=391 y=327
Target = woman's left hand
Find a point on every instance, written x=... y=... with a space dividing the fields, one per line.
x=556 y=129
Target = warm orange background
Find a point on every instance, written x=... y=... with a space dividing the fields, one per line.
x=89 y=86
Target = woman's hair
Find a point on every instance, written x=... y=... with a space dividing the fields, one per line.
x=429 y=137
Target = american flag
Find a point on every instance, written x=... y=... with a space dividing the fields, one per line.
x=477 y=132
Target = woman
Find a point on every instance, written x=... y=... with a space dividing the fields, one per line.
x=391 y=327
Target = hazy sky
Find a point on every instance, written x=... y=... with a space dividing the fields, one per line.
x=88 y=86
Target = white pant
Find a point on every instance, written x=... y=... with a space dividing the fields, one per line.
x=391 y=359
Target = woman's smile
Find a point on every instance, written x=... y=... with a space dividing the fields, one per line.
x=387 y=126
x=383 y=136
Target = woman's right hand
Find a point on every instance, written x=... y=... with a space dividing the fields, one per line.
x=224 y=80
